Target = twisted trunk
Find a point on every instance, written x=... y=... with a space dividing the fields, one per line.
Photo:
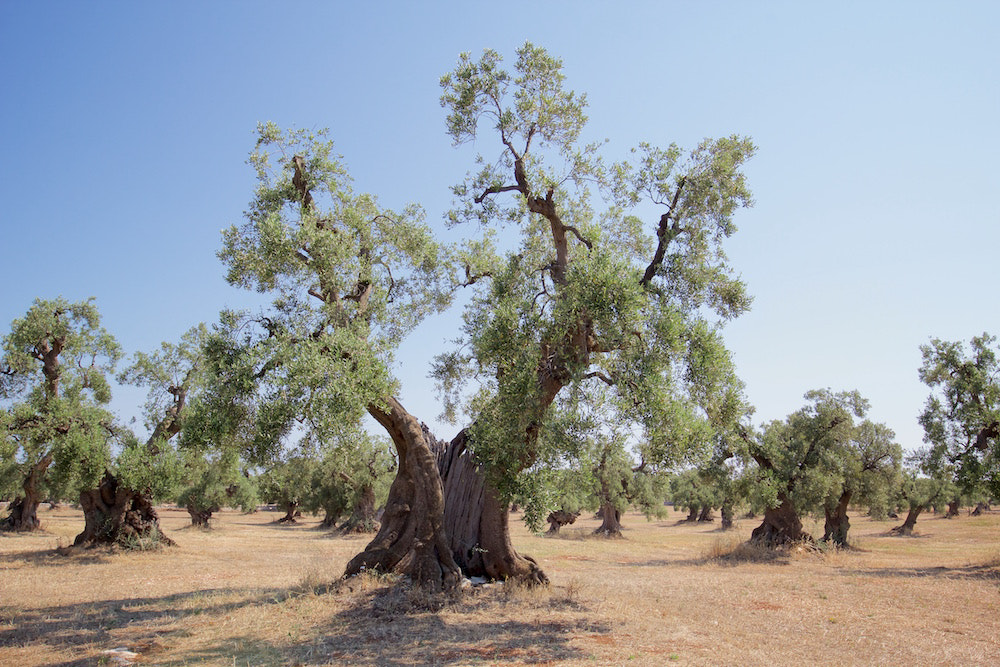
x=23 y=512
x=476 y=521
x=114 y=514
x=412 y=539
x=781 y=525
x=560 y=518
x=705 y=515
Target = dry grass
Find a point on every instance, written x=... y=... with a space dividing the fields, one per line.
x=254 y=593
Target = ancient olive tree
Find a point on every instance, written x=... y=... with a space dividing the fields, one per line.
x=818 y=458
x=348 y=280
x=122 y=507
x=572 y=288
x=927 y=482
x=211 y=480
x=54 y=383
x=961 y=418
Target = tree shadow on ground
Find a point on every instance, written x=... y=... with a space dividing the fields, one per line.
x=84 y=629
x=394 y=626
x=989 y=571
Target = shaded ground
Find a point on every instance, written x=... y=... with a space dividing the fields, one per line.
x=250 y=592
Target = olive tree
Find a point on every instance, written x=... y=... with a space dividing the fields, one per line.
x=961 y=418
x=572 y=287
x=54 y=372
x=348 y=280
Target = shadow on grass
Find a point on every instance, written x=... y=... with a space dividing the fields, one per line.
x=989 y=571
x=84 y=629
x=393 y=626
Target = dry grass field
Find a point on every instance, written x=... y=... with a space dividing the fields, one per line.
x=251 y=592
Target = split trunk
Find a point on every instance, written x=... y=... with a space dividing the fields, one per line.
x=837 y=524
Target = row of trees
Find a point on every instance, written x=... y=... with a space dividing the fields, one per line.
x=596 y=295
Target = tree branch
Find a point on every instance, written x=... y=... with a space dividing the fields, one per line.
x=666 y=232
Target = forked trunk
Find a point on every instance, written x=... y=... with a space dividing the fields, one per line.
x=610 y=521
x=476 y=521
x=705 y=515
x=22 y=514
x=908 y=524
x=362 y=518
x=412 y=538
x=837 y=524
x=114 y=514
x=781 y=526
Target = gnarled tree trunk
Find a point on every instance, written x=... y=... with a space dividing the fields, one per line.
x=558 y=519
x=291 y=511
x=781 y=525
x=412 y=538
x=22 y=514
x=611 y=525
x=200 y=517
x=114 y=514
x=692 y=514
x=953 y=508
x=476 y=522
x=362 y=519
x=705 y=515
x=837 y=524
x=727 y=515
x=908 y=524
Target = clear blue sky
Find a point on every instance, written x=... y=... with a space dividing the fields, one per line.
x=125 y=127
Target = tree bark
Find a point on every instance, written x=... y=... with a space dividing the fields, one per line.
x=837 y=524
x=781 y=526
x=908 y=524
x=23 y=512
x=610 y=520
x=362 y=519
x=705 y=515
x=476 y=522
x=114 y=514
x=560 y=518
x=412 y=539
x=692 y=514
x=291 y=511
x=727 y=515
x=199 y=517
x=953 y=508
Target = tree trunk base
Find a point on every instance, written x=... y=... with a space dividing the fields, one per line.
x=411 y=540
x=477 y=522
x=22 y=517
x=611 y=526
x=781 y=527
x=116 y=516
x=200 y=518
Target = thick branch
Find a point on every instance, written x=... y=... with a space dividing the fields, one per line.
x=667 y=231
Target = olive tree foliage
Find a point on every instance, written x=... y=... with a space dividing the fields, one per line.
x=347 y=279
x=572 y=287
x=927 y=481
x=54 y=370
x=961 y=418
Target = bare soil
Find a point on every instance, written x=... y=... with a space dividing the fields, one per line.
x=252 y=592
